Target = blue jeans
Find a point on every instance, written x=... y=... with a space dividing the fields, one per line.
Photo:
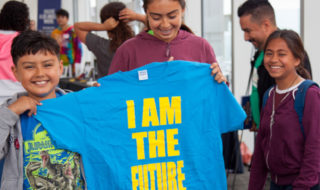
x=274 y=186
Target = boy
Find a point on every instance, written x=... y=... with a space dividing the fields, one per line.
x=31 y=161
x=70 y=46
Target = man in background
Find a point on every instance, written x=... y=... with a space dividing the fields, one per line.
x=257 y=20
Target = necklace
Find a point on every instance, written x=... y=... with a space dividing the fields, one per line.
x=273 y=104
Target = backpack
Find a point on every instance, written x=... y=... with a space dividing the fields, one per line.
x=299 y=99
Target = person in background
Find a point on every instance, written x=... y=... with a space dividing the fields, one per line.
x=257 y=20
x=30 y=159
x=118 y=32
x=70 y=46
x=286 y=148
x=33 y=25
x=166 y=38
x=14 y=18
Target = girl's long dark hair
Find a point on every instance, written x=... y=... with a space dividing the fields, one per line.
x=123 y=31
x=295 y=45
x=183 y=6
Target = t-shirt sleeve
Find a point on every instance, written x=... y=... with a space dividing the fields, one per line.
x=97 y=45
x=229 y=115
x=62 y=118
x=91 y=41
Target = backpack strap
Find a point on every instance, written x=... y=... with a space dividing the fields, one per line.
x=266 y=96
x=300 y=100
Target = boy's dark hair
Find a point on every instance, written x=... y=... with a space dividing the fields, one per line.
x=62 y=12
x=14 y=16
x=295 y=45
x=31 y=42
x=258 y=10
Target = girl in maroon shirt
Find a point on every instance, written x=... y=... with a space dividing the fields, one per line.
x=167 y=38
x=292 y=159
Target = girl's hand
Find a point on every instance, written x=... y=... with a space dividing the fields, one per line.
x=110 y=23
x=127 y=15
x=218 y=73
x=23 y=104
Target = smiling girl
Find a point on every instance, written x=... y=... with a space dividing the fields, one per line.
x=290 y=154
x=169 y=39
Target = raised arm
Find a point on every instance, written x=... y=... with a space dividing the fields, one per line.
x=128 y=15
x=82 y=28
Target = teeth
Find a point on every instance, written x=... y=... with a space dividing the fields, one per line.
x=166 y=31
x=275 y=67
x=40 y=82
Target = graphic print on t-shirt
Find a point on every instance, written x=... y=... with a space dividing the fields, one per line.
x=44 y=166
x=161 y=141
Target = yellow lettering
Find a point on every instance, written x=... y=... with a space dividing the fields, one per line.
x=140 y=175
x=181 y=176
x=164 y=175
x=151 y=169
x=172 y=182
x=149 y=113
x=168 y=175
x=159 y=176
x=156 y=144
x=145 y=177
x=173 y=112
x=131 y=114
x=140 y=143
x=135 y=182
x=171 y=142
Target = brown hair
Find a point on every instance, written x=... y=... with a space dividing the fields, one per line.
x=295 y=45
x=123 y=31
x=183 y=6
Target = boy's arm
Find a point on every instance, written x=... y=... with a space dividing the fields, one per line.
x=82 y=28
x=7 y=120
x=55 y=35
x=9 y=116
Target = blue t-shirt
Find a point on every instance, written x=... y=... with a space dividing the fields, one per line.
x=160 y=132
x=45 y=166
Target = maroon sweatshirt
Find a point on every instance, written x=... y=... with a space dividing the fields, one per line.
x=282 y=149
x=145 y=48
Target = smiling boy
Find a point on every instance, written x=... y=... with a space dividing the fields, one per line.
x=31 y=161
